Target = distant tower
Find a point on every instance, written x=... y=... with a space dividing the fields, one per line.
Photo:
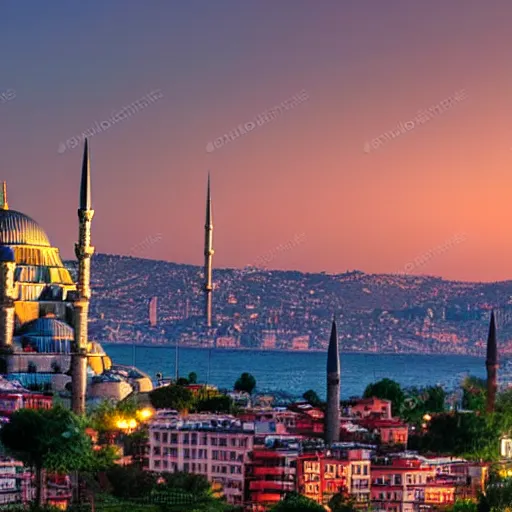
x=7 y=285
x=208 y=254
x=83 y=251
x=492 y=365
x=332 y=416
x=153 y=319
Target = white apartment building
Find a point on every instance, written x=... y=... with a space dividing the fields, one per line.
x=215 y=446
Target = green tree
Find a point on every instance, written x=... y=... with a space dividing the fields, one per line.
x=471 y=435
x=312 y=398
x=463 y=506
x=474 y=393
x=340 y=502
x=192 y=378
x=497 y=497
x=246 y=382
x=294 y=502
x=219 y=404
x=130 y=482
x=51 y=439
x=171 y=397
x=389 y=390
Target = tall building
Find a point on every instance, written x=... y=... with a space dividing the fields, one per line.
x=492 y=365
x=332 y=416
x=44 y=313
x=153 y=318
x=208 y=255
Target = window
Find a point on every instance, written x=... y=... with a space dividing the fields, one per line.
x=174 y=438
x=156 y=450
x=365 y=470
x=157 y=464
x=165 y=437
x=223 y=441
x=186 y=439
x=193 y=439
x=164 y=463
x=186 y=453
x=215 y=455
x=156 y=436
x=233 y=441
x=214 y=441
x=204 y=440
x=185 y=467
x=232 y=455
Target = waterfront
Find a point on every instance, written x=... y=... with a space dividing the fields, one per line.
x=296 y=372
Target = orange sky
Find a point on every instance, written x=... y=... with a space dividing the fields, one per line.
x=365 y=66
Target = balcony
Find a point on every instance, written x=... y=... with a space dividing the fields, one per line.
x=273 y=471
x=269 y=485
x=265 y=497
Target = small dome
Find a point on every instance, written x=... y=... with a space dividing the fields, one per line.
x=19 y=229
x=6 y=253
x=48 y=327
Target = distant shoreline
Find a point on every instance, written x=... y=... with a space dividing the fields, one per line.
x=280 y=350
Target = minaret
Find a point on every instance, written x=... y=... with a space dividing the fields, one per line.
x=8 y=292
x=208 y=254
x=332 y=415
x=492 y=365
x=83 y=251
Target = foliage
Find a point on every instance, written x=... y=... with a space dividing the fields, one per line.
x=387 y=389
x=219 y=404
x=189 y=482
x=497 y=497
x=294 y=502
x=192 y=378
x=130 y=482
x=342 y=503
x=471 y=435
x=421 y=401
x=182 y=381
x=246 y=382
x=474 y=393
x=312 y=398
x=171 y=397
x=463 y=506
x=52 y=439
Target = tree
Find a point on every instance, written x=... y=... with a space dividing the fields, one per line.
x=129 y=482
x=474 y=393
x=246 y=382
x=192 y=378
x=51 y=439
x=294 y=502
x=497 y=497
x=219 y=404
x=386 y=389
x=312 y=398
x=340 y=502
x=171 y=397
x=464 y=506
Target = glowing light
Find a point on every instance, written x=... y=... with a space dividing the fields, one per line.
x=427 y=417
x=145 y=414
x=132 y=423
x=122 y=424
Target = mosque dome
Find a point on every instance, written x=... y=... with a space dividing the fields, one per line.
x=6 y=253
x=19 y=229
x=47 y=335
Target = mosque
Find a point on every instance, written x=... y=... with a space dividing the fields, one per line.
x=44 y=313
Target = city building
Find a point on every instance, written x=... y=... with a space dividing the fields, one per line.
x=325 y=473
x=15 y=482
x=408 y=485
x=152 y=307
x=215 y=446
x=272 y=471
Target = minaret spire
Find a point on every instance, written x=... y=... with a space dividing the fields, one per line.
x=208 y=254
x=83 y=251
x=4 y=205
x=332 y=416
x=492 y=365
x=85 y=184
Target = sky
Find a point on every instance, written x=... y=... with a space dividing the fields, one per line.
x=314 y=188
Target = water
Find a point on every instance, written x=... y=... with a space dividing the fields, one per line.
x=296 y=372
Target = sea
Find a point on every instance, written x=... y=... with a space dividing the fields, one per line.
x=293 y=373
